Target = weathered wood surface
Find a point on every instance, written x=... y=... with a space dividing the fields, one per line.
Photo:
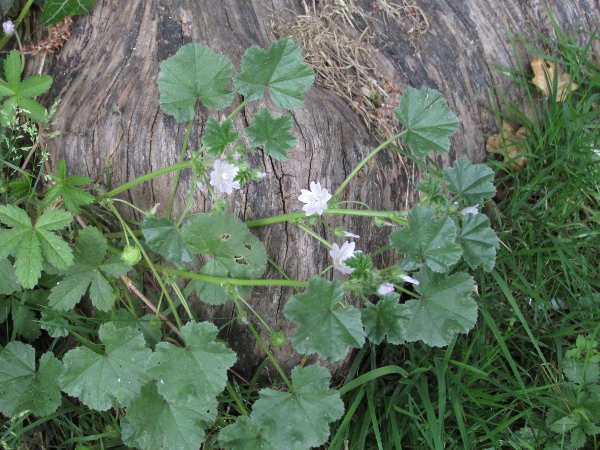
x=106 y=75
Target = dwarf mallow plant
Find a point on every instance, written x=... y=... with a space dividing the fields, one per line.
x=167 y=381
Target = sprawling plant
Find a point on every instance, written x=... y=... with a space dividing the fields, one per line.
x=167 y=381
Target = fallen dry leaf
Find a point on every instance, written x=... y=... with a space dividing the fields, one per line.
x=544 y=79
x=510 y=145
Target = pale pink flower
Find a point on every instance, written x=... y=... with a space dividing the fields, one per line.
x=385 y=289
x=410 y=279
x=340 y=254
x=223 y=176
x=316 y=199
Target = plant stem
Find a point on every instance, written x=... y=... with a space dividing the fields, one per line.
x=181 y=156
x=144 y=178
x=393 y=216
x=365 y=160
x=271 y=357
x=230 y=281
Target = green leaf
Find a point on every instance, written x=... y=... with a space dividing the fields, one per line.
x=22 y=387
x=8 y=281
x=324 y=326
x=146 y=324
x=444 y=310
x=22 y=93
x=299 y=419
x=14 y=217
x=281 y=69
x=162 y=236
x=151 y=423
x=25 y=323
x=54 y=219
x=473 y=182
x=428 y=120
x=28 y=261
x=218 y=136
x=55 y=324
x=112 y=379
x=57 y=10
x=88 y=272
x=212 y=293
x=228 y=240
x=478 y=241
x=428 y=239
x=243 y=435
x=197 y=371
x=273 y=134
x=194 y=73
x=73 y=197
x=385 y=319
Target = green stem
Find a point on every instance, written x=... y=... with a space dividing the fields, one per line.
x=237 y=399
x=153 y=268
x=394 y=216
x=271 y=357
x=230 y=281
x=311 y=232
x=364 y=161
x=236 y=110
x=147 y=177
x=181 y=156
x=16 y=23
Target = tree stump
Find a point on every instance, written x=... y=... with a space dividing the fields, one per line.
x=113 y=129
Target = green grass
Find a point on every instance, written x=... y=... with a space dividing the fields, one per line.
x=497 y=386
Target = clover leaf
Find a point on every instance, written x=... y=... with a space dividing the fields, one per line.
x=299 y=419
x=444 y=309
x=111 y=379
x=57 y=10
x=324 y=325
x=198 y=370
x=32 y=244
x=194 y=73
x=163 y=236
x=428 y=120
x=280 y=69
x=273 y=134
x=89 y=272
x=385 y=319
x=22 y=387
x=152 y=423
x=428 y=239
x=21 y=93
x=472 y=182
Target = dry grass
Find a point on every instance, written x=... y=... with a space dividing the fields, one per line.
x=340 y=51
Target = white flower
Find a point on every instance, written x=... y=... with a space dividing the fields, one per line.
x=340 y=254
x=316 y=199
x=223 y=175
x=9 y=27
x=470 y=210
x=261 y=175
x=410 y=279
x=385 y=289
x=348 y=234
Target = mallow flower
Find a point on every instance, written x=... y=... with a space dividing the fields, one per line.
x=223 y=175
x=316 y=199
x=340 y=254
x=410 y=279
x=385 y=289
x=470 y=210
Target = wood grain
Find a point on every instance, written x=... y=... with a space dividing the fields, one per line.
x=106 y=76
